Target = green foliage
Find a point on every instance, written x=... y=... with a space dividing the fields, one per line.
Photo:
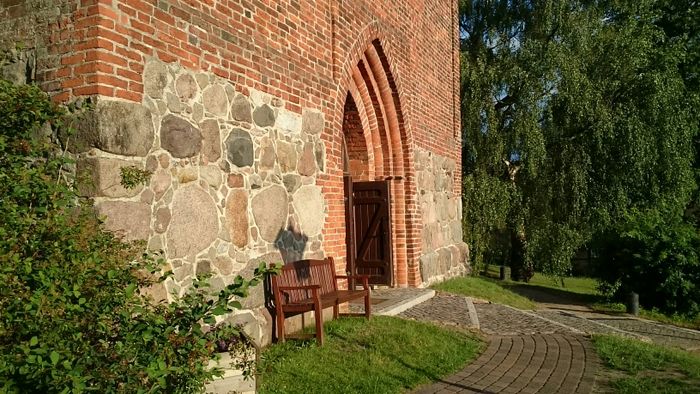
x=655 y=255
x=132 y=176
x=680 y=20
x=486 y=200
x=583 y=109
x=383 y=355
x=72 y=314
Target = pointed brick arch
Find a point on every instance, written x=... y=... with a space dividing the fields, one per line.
x=373 y=141
x=370 y=80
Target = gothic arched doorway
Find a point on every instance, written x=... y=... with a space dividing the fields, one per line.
x=374 y=152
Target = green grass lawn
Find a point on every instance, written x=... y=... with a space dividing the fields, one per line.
x=485 y=288
x=488 y=287
x=576 y=285
x=637 y=367
x=384 y=355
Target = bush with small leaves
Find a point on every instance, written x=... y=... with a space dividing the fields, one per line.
x=656 y=255
x=72 y=314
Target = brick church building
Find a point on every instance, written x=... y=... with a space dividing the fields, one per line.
x=273 y=130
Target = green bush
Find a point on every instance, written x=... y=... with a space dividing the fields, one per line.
x=655 y=255
x=72 y=316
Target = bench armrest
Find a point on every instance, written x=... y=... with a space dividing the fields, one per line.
x=314 y=293
x=362 y=278
x=305 y=287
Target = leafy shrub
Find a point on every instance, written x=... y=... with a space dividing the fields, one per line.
x=655 y=255
x=72 y=314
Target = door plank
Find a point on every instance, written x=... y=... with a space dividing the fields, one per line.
x=372 y=230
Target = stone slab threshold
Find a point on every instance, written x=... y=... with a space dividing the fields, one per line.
x=392 y=301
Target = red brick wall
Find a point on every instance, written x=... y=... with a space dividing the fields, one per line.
x=302 y=51
x=357 y=150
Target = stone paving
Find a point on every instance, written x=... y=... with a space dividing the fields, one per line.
x=628 y=326
x=527 y=353
x=391 y=302
x=496 y=319
x=658 y=333
x=444 y=308
x=589 y=326
x=550 y=363
x=542 y=351
x=575 y=313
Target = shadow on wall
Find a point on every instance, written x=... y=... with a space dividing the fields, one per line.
x=291 y=243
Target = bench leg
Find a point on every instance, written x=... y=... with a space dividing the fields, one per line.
x=368 y=307
x=318 y=316
x=336 y=311
x=280 y=326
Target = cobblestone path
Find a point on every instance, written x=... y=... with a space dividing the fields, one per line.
x=444 y=308
x=496 y=319
x=588 y=326
x=549 y=363
x=658 y=333
x=573 y=313
x=598 y=323
x=527 y=353
x=542 y=351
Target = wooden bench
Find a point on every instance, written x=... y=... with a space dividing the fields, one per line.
x=312 y=285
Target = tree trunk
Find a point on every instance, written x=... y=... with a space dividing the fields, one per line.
x=520 y=269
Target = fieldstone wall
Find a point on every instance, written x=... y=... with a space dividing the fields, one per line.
x=233 y=179
x=444 y=253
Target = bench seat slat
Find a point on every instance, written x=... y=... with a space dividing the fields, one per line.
x=340 y=296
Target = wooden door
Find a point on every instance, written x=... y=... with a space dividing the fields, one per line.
x=370 y=243
x=349 y=228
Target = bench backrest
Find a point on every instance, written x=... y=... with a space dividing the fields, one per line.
x=306 y=272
